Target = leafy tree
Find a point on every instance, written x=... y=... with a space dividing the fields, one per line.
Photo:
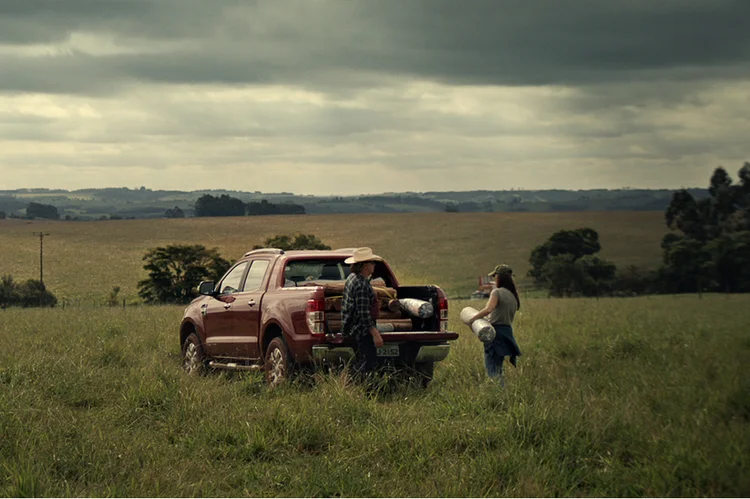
x=2 y=215
x=744 y=175
x=743 y=196
x=683 y=214
x=300 y=242
x=730 y=260
x=687 y=265
x=566 y=264
x=561 y=274
x=578 y=242
x=633 y=281
x=585 y=276
x=38 y=210
x=175 y=271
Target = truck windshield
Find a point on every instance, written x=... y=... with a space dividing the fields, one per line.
x=297 y=271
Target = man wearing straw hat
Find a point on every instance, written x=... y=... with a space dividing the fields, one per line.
x=356 y=313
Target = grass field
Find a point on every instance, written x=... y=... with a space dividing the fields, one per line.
x=613 y=397
x=83 y=261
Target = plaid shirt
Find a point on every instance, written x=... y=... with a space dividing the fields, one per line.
x=356 y=310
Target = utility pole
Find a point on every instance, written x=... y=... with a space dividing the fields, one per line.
x=41 y=264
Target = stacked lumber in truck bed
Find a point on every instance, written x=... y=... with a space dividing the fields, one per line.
x=334 y=323
x=393 y=313
x=334 y=293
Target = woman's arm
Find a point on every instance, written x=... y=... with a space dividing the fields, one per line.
x=491 y=304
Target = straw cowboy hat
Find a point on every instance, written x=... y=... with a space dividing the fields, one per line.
x=363 y=255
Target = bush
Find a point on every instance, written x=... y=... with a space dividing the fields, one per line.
x=114 y=297
x=31 y=293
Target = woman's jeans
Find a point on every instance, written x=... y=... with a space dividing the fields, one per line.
x=504 y=345
x=494 y=365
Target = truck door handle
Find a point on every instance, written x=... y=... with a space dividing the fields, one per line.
x=227 y=305
x=251 y=302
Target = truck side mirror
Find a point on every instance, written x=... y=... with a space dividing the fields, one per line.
x=206 y=288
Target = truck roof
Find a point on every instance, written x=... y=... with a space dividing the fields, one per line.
x=311 y=253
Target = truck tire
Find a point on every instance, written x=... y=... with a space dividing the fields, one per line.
x=193 y=357
x=278 y=366
x=425 y=372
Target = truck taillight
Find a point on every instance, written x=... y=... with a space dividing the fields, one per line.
x=443 y=311
x=316 y=316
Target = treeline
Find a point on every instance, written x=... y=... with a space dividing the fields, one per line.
x=707 y=250
x=206 y=206
x=710 y=248
x=228 y=206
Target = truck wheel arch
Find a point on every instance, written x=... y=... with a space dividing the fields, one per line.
x=271 y=331
x=186 y=330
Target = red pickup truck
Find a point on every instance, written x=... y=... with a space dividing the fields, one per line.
x=278 y=310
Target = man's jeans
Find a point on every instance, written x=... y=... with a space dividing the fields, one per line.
x=366 y=355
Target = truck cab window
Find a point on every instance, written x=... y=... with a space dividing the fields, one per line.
x=300 y=271
x=232 y=281
x=255 y=275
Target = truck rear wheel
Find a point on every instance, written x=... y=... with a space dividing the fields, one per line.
x=278 y=365
x=193 y=357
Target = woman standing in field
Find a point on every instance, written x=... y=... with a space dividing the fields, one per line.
x=501 y=308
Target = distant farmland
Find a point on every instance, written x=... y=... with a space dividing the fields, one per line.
x=84 y=260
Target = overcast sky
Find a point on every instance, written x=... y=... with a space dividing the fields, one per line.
x=363 y=96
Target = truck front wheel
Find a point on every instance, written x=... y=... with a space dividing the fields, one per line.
x=277 y=365
x=193 y=358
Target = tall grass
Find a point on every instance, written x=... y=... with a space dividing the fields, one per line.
x=643 y=396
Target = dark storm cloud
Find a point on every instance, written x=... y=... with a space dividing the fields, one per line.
x=333 y=45
x=550 y=41
x=536 y=93
x=49 y=21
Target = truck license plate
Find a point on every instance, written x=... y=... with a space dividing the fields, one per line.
x=388 y=351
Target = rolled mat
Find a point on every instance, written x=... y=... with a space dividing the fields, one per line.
x=417 y=308
x=481 y=327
